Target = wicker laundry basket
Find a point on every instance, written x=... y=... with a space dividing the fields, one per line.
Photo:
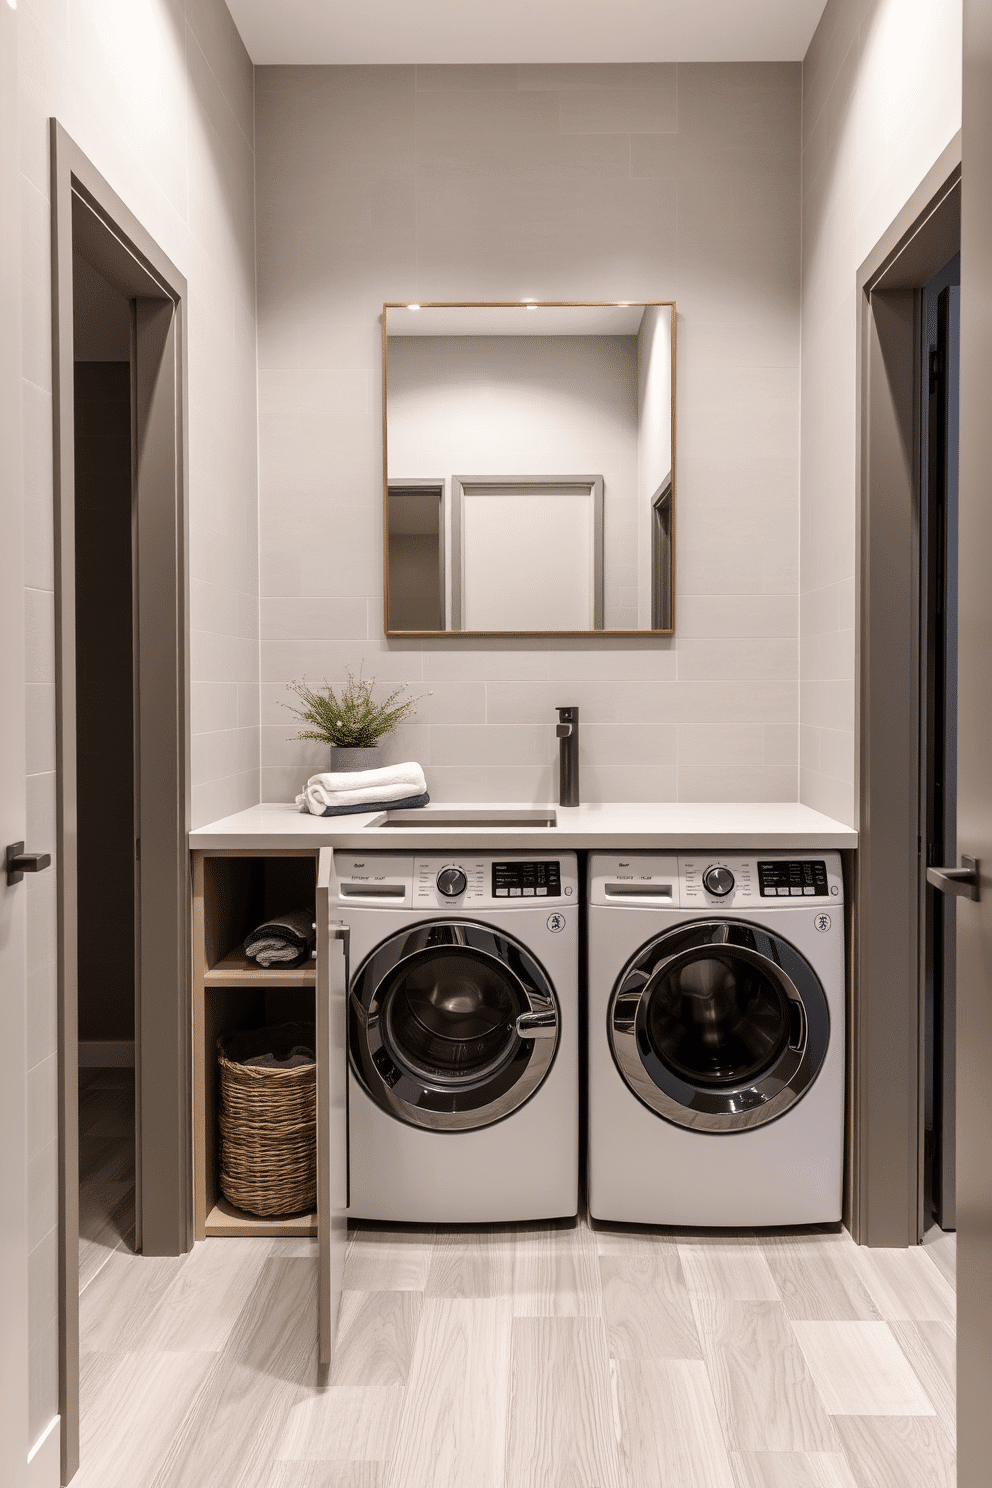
x=268 y=1123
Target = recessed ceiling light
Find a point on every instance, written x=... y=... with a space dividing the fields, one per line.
x=413 y=307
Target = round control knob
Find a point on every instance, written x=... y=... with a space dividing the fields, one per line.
x=718 y=881
x=452 y=882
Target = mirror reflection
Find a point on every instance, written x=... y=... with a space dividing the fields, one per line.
x=528 y=460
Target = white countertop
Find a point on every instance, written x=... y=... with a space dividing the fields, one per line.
x=682 y=825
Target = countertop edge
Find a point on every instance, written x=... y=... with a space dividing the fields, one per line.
x=592 y=834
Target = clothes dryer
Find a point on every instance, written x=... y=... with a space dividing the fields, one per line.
x=463 y=1034
x=716 y=1038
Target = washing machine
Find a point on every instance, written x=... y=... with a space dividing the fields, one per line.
x=716 y=1038
x=463 y=1034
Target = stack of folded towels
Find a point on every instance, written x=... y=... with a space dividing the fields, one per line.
x=286 y=940
x=345 y=792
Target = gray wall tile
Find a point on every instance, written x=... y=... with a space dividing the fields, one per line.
x=503 y=183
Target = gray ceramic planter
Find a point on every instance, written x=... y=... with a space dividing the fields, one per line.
x=356 y=759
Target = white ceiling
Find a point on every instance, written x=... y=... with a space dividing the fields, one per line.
x=508 y=31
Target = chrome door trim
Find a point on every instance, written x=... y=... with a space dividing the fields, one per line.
x=453 y=1103
x=749 y=1103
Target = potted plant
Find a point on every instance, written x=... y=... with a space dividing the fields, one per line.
x=350 y=720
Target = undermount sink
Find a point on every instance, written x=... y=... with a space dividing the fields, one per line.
x=482 y=817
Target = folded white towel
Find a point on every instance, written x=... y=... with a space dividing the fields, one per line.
x=340 y=788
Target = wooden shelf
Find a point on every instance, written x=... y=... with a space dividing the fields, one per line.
x=225 y=1220
x=235 y=970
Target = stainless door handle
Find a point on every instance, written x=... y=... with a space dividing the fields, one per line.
x=964 y=881
x=537 y=1025
x=18 y=862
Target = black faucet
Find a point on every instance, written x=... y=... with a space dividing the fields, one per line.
x=568 y=756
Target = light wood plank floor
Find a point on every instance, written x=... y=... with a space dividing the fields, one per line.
x=106 y=1168
x=523 y=1356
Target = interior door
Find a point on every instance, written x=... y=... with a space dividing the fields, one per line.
x=13 y=1208
x=332 y=1107
x=974 y=919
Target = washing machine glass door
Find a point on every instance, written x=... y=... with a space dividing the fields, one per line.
x=719 y=1025
x=453 y=1025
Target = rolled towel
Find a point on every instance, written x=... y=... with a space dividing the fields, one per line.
x=408 y=773
x=363 y=787
x=286 y=940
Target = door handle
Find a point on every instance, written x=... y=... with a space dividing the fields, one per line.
x=537 y=1025
x=964 y=881
x=18 y=862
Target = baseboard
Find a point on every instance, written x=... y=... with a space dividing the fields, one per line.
x=45 y=1457
x=106 y=1054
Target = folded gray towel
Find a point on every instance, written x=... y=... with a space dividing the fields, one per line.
x=285 y=940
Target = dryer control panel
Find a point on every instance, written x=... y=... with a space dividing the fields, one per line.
x=711 y=880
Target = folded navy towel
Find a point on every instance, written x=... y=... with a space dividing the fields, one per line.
x=368 y=808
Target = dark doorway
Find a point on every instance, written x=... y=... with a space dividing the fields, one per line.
x=940 y=323
x=105 y=831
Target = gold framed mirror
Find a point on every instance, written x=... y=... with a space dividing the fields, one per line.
x=529 y=468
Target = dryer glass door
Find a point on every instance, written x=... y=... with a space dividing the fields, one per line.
x=453 y=1025
x=719 y=1026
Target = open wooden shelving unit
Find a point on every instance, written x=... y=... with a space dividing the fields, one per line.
x=232 y=892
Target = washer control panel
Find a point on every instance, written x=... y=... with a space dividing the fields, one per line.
x=793 y=878
x=459 y=881
x=526 y=879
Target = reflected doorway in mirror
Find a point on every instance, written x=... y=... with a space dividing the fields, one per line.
x=544 y=388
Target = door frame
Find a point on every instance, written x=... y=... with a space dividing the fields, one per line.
x=884 y=1193
x=88 y=216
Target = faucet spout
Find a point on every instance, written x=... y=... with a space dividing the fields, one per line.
x=567 y=732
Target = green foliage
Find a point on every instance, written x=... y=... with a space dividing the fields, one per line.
x=351 y=719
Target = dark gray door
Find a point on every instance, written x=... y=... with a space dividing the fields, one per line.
x=941 y=318
x=974 y=920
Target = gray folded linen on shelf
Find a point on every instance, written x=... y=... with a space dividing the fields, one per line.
x=297 y=1056
x=285 y=940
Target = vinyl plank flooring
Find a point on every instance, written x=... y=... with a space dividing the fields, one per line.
x=930 y=1349
x=860 y=1370
x=818 y=1276
x=453 y=1426
x=906 y=1285
x=898 y=1451
x=792 y=1470
x=202 y=1304
x=561 y=1432
x=669 y=1428
x=942 y=1248
x=727 y=1268
x=471 y=1263
x=116 y=1308
x=556 y=1272
x=395 y=1258
x=763 y=1388
x=131 y=1408
x=106 y=1136
x=327 y=1475
x=106 y=1224
x=376 y=1336
x=343 y=1424
x=269 y=1366
x=647 y=1307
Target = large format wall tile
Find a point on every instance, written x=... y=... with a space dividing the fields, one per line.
x=555 y=182
x=881 y=100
